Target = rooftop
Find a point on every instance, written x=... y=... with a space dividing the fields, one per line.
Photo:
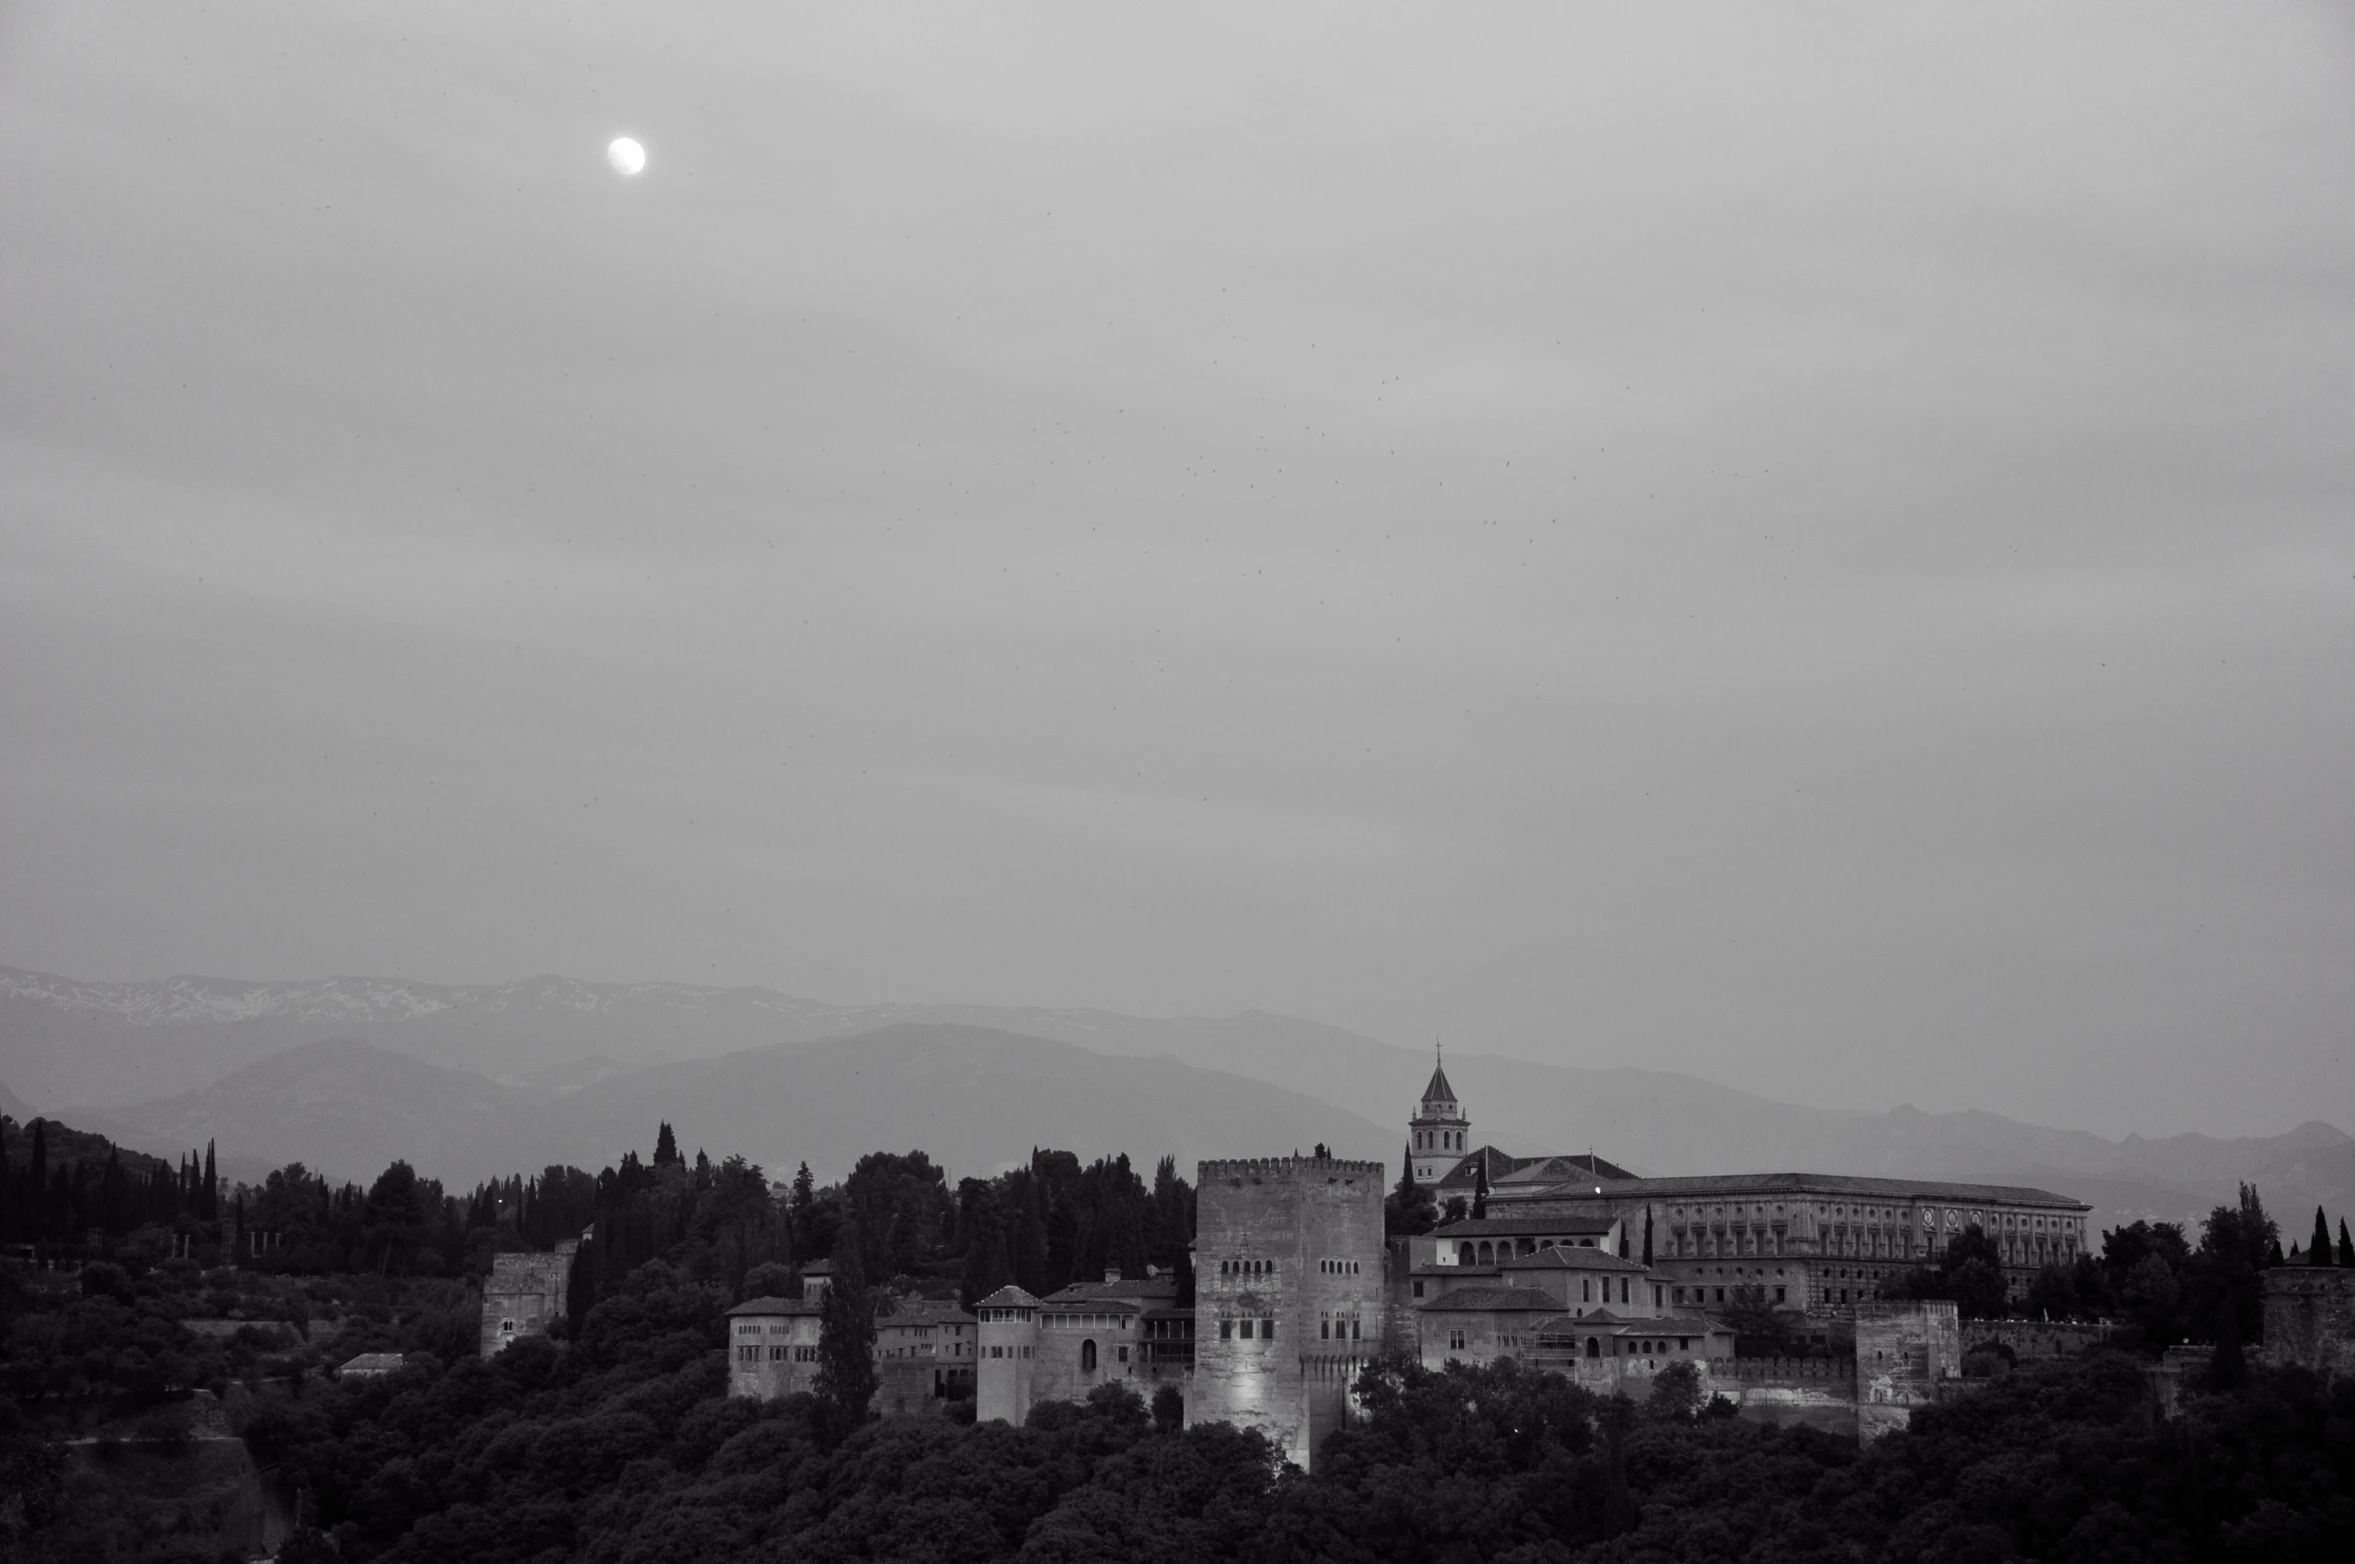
x=372 y=1363
x=1505 y=1168
x=1578 y=1225
x=776 y=1306
x=1439 y=1090
x=1570 y=1260
x=1837 y=1185
x=1488 y=1300
x=1008 y=1297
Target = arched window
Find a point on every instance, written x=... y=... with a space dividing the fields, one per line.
x=1463 y=1254
x=1594 y=1348
x=1087 y=1357
x=1487 y=1252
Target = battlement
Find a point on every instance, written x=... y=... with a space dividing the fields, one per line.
x=1281 y=1167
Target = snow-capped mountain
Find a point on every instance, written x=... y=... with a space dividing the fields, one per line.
x=67 y=1042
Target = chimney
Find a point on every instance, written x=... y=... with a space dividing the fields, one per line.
x=1111 y=1274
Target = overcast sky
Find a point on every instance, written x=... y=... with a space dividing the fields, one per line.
x=1808 y=546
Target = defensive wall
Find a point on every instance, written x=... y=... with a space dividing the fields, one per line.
x=1290 y=1293
x=2310 y=1319
x=1908 y=1355
x=2034 y=1338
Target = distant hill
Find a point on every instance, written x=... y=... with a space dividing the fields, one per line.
x=345 y=1107
x=63 y=1143
x=975 y=1099
x=13 y=1107
x=67 y=1043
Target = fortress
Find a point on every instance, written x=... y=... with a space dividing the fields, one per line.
x=1575 y=1266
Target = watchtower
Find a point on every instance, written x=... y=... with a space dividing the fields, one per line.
x=1003 y=1374
x=1289 y=1293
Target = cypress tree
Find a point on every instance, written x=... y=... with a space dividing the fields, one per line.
x=212 y=1186
x=2346 y=1249
x=846 y=1381
x=1410 y=1208
x=666 y=1146
x=1480 y=1187
x=2318 y=1249
x=1648 y=1237
x=37 y=1181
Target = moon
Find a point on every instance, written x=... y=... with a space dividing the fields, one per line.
x=627 y=157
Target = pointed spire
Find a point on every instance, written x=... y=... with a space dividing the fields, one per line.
x=1439 y=1090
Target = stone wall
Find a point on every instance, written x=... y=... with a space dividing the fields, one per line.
x=2310 y=1318
x=524 y=1295
x=1292 y=1244
x=1907 y=1355
x=2034 y=1338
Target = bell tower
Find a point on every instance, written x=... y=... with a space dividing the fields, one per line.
x=1439 y=1136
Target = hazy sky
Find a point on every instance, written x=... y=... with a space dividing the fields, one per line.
x=1810 y=546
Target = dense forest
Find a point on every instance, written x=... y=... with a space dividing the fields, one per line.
x=619 y=1446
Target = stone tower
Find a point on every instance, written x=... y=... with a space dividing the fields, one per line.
x=1438 y=1135
x=1008 y=1332
x=1289 y=1294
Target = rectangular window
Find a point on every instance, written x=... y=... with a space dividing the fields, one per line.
x=1267 y=1330
x=1226 y=1328
x=1124 y=1354
x=1418 y=1289
x=1324 y=1329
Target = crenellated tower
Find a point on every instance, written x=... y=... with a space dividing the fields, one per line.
x=1438 y=1135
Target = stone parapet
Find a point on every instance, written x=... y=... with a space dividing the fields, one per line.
x=1245 y=1167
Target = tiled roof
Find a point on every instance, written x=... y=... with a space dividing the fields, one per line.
x=372 y=1363
x=818 y=1268
x=1008 y=1297
x=1481 y=1300
x=1439 y=1090
x=1836 y=1186
x=1570 y=1260
x=1504 y=1168
x=1588 y=1166
x=1525 y=1227
x=776 y=1306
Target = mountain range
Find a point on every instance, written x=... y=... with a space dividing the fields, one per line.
x=470 y=1081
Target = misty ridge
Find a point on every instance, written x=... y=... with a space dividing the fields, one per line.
x=474 y=1082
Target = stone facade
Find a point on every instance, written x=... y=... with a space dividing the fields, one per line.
x=2029 y=1339
x=1817 y=1241
x=1290 y=1292
x=773 y=1342
x=1907 y=1355
x=2310 y=1318
x=525 y=1295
